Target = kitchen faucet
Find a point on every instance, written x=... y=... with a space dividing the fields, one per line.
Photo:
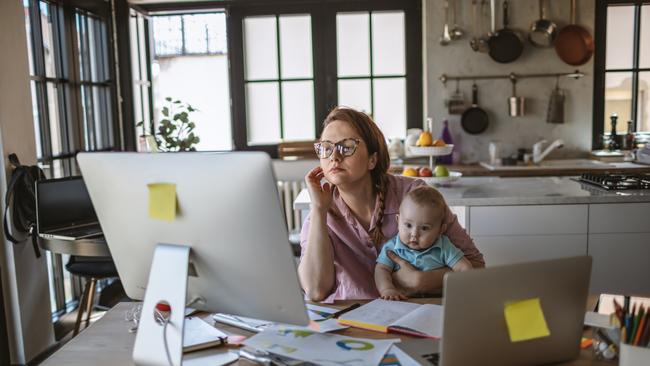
x=539 y=155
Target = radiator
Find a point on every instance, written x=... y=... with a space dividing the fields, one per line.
x=289 y=190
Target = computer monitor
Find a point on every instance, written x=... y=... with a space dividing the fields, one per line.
x=228 y=214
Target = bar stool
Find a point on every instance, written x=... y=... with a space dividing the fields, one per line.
x=91 y=269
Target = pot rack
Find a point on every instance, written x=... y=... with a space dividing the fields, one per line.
x=577 y=74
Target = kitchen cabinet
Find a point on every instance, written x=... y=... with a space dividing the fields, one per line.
x=619 y=243
x=501 y=250
x=515 y=234
x=616 y=235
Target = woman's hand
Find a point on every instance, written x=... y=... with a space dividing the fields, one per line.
x=321 y=195
x=413 y=281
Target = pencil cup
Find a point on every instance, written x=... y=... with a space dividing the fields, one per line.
x=605 y=343
x=634 y=356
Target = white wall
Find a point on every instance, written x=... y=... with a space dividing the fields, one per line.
x=25 y=283
x=458 y=59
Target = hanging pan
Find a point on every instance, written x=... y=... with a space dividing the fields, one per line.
x=574 y=45
x=506 y=45
x=474 y=120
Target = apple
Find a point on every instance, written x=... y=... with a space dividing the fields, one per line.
x=441 y=171
x=425 y=172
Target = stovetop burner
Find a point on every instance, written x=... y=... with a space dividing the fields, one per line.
x=617 y=182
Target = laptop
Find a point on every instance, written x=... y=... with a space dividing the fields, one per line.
x=474 y=326
x=64 y=210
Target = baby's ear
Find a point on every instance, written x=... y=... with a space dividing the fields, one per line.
x=397 y=217
x=443 y=228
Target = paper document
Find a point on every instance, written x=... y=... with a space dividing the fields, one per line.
x=320 y=348
x=397 y=316
x=316 y=313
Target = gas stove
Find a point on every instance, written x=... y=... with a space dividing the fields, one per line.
x=616 y=182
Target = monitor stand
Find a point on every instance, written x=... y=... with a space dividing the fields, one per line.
x=167 y=283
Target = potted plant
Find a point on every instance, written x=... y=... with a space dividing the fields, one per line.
x=175 y=130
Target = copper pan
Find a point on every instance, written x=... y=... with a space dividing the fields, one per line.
x=574 y=44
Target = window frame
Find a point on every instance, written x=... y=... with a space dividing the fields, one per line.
x=324 y=58
x=600 y=67
x=70 y=111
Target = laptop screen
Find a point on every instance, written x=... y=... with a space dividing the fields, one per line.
x=63 y=203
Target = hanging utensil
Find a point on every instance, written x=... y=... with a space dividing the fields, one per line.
x=555 y=111
x=473 y=43
x=483 y=45
x=506 y=45
x=456 y=31
x=474 y=120
x=446 y=36
x=574 y=45
x=542 y=31
x=456 y=103
x=516 y=105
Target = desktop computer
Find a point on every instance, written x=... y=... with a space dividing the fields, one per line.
x=227 y=230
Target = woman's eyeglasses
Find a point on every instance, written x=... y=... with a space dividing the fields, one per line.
x=346 y=147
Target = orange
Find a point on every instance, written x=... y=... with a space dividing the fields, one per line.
x=439 y=143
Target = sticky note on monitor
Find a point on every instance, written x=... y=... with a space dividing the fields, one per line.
x=162 y=201
x=525 y=320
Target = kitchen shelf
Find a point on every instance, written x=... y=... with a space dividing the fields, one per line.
x=577 y=74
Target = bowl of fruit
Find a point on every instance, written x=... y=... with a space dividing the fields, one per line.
x=427 y=146
x=439 y=175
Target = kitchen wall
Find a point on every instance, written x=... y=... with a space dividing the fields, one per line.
x=458 y=58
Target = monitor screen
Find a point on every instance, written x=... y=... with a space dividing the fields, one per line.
x=63 y=203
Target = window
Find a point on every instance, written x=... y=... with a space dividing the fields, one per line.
x=622 y=67
x=292 y=63
x=72 y=97
x=188 y=62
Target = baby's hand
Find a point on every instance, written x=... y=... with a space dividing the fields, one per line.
x=393 y=294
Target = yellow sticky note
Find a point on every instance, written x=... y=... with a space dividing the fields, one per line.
x=162 y=201
x=525 y=320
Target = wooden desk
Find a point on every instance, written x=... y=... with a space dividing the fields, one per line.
x=108 y=342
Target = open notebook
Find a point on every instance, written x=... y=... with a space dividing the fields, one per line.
x=397 y=317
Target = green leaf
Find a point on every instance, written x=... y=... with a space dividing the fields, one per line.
x=190 y=109
x=169 y=99
x=177 y=101
x=191 y=125
x=197 y=140
x=165 y=111
x=139 y=124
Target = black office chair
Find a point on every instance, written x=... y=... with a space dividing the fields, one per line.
x=91 y=269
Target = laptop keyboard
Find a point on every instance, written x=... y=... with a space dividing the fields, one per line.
x=81 y=231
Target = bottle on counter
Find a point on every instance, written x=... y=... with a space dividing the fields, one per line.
x=613 y=137
x=446 y=137
x=629 y=137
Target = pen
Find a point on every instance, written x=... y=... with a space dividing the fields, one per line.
x=641 y=327
x=345 y=310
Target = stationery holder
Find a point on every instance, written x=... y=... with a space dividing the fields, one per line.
x=633 y=355
x=157 y=343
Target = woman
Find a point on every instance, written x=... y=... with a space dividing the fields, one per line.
x=355 y=213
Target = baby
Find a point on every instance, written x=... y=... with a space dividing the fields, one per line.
x=419 y=241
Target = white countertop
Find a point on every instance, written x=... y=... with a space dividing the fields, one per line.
x=495 y=191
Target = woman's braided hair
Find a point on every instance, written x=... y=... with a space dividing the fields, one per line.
x=376 y=143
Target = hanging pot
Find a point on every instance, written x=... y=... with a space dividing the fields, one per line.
x=506 y=45
x=474 y=120
x=574 y=45
x=543 y=31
